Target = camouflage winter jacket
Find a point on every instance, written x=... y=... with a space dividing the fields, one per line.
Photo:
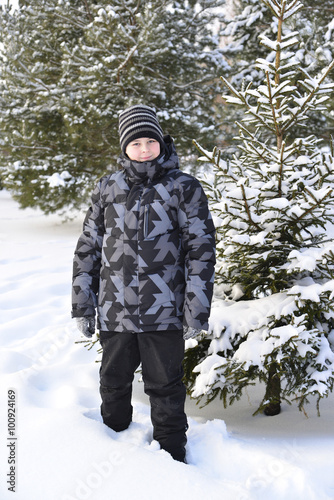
x=146 y=256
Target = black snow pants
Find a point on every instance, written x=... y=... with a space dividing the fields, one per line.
x=161 y=355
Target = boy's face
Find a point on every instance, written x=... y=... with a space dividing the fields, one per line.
x=143 y=149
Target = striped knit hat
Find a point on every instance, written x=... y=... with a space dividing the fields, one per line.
x=139 y=121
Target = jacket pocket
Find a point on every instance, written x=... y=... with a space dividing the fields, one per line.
x=158 y=219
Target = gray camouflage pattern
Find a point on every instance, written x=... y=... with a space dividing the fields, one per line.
x=146 y=256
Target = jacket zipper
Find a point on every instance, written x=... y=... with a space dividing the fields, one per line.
x=146 y=212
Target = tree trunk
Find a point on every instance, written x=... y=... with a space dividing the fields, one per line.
x=273 y=392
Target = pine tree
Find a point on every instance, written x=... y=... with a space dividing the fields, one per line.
x=38 y=150
x=273 y=316
x=69 y=67
x=245 y=20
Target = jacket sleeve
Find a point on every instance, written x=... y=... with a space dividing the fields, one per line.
x=198 y=242
x=87 y=260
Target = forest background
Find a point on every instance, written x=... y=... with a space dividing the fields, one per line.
x=68 y=67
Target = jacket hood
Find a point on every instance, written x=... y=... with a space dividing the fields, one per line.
x=142 y=172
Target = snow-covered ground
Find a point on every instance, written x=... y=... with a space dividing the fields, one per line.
x=62 y=450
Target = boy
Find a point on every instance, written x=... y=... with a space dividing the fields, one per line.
x=145 y=260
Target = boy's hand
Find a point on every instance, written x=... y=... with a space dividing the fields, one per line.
x=190 y=333
x=86 y=325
